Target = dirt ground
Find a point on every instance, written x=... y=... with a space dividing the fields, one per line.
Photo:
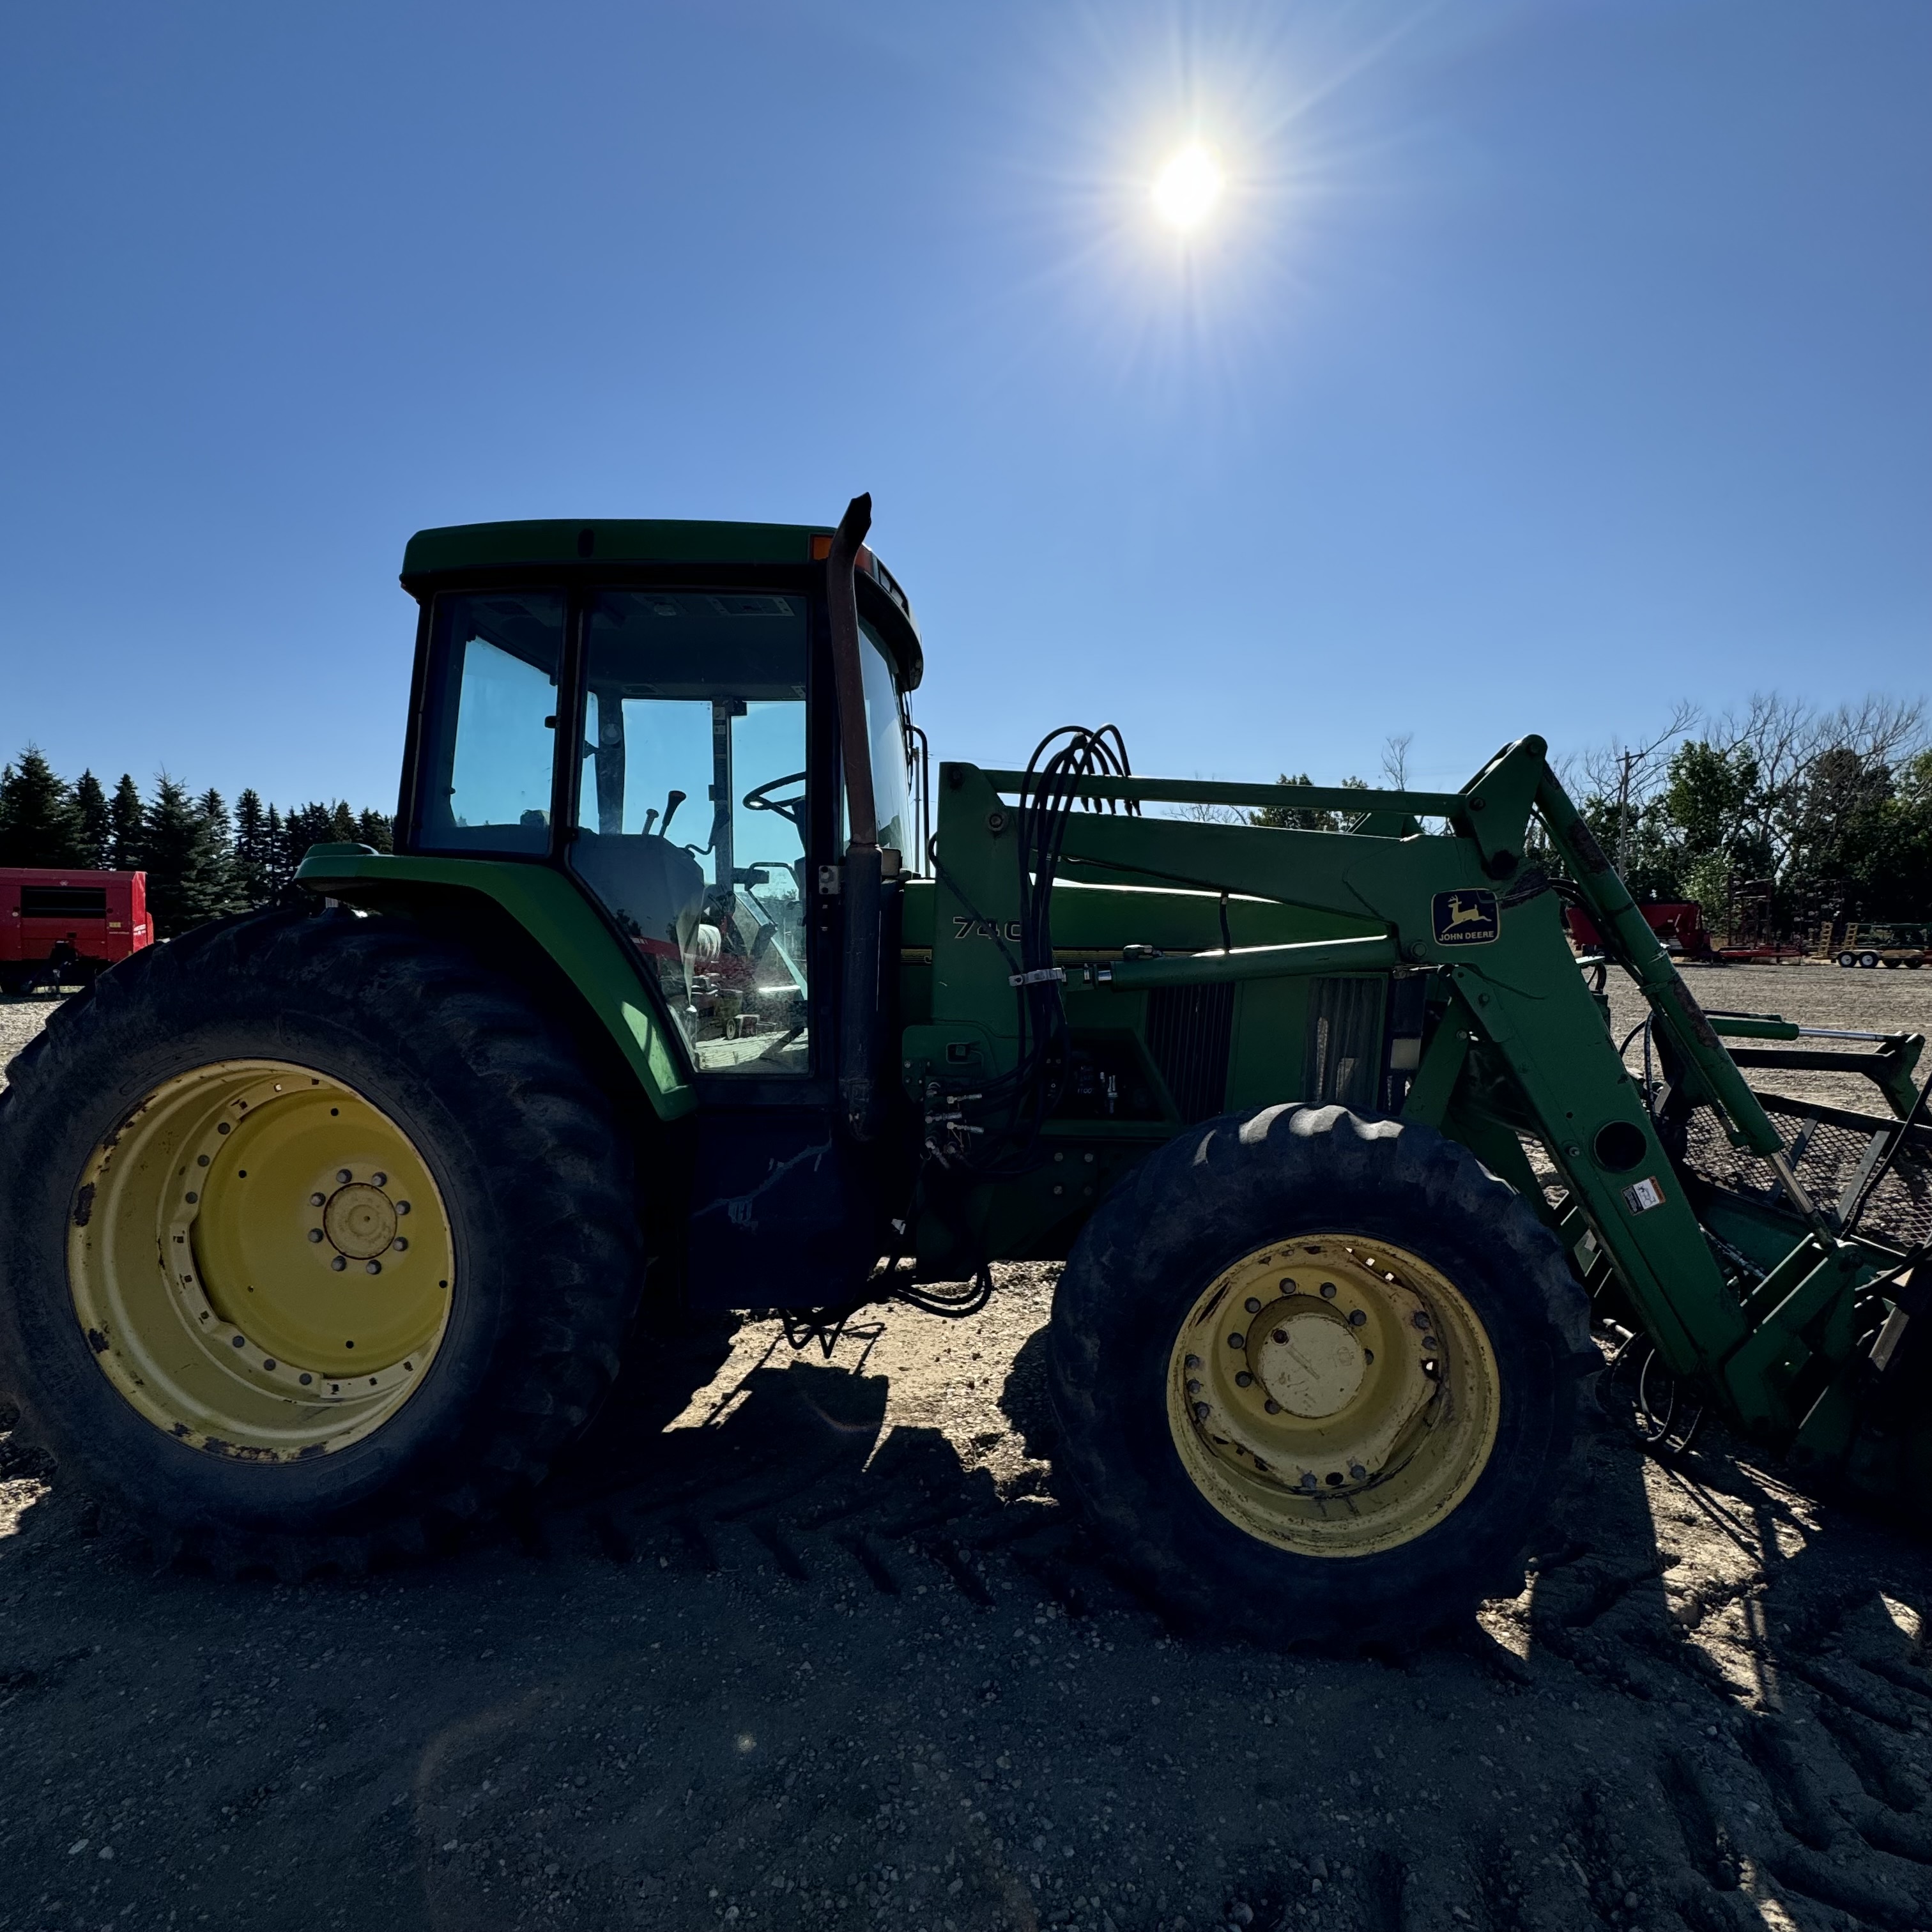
x=831 y=1652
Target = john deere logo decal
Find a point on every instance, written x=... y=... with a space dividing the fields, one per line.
x=1467 y=918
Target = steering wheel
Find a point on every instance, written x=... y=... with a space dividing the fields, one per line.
x=757 y=799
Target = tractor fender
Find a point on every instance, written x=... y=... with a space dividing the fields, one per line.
x=535 y=922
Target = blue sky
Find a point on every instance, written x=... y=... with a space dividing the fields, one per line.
x=1546 y=363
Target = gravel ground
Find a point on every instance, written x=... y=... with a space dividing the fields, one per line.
x=831 y=1652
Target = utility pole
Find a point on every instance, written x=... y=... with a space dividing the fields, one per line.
x=1627 y=759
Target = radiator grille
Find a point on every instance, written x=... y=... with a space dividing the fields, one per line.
x=1188 y=1031
x=1834 y=1145
x=1344 y=1026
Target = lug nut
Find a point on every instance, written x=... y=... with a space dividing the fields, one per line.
x=1273 y=1407
x=399 y=1243
x=1233 y=1341
x=1280 y=1335
x=343 y=1174
x=315 y=1234
x=379 y=1180
x=1244 y=1380
x=339 y=1264
x=1192 y=1362
x=402 y=1207
x=239 y=1343
x=1327 y=1291
x=1356 y=1470
x=1288 y=1285
x=1253 y=1306
x=1368 y=1354
x=1201 y=1412
x=375 y=1267
x=1308 y=1479
x=1356 y=1316
x=317 y=1200
x=1420 y=1320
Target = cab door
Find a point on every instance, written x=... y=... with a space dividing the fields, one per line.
x=704 y=806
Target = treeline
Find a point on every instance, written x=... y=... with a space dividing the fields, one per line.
x=202 y=860
x=1775 y=819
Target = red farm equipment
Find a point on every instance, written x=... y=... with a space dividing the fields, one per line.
x=62 y=928
x=1678 y=923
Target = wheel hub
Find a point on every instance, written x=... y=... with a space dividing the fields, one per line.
x=1310 y=1364
x=360 y=1220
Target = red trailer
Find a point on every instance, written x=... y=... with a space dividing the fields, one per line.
x=1678 y=923
x=62 y=928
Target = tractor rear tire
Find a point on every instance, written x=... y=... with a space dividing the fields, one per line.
x=1420 y=1326
x=207 y=1164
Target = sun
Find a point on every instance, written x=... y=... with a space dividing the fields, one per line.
x=1188 y=189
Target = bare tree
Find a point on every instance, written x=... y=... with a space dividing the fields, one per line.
x=1395 y=759
x=1629 y=776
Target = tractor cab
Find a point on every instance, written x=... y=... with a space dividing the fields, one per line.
x=650 y=709
x=651 y=712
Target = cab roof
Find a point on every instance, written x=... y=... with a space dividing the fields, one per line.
x=458 y=549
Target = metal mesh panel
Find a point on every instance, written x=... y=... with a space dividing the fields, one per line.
x=1834 y=1151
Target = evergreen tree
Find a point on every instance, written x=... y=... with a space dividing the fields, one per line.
x=214 y=809
x=127 y=824
x=277 y=851
x=377 y=828
x=188 y=866
x=38 y=824
x=254 y=863
x=311 y=824
x=95 y=831
x=342 y=823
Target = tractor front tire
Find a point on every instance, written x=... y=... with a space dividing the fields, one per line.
x=315 y=1239
x=1317 y=1377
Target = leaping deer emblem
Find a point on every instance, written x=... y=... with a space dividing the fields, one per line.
x=1462 y=915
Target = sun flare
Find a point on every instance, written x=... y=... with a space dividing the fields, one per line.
x=1188 y=189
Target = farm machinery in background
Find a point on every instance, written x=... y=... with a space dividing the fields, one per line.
x=60 y=928
x=1870 y=945
x=323 y=1230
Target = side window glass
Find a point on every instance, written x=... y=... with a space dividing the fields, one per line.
x=885 y=729
x=489 y=737
x=692 y=811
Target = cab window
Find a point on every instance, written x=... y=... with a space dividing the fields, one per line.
x=692 y=811
x=489 y=732
x=885 y=726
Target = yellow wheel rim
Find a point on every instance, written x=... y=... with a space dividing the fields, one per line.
x=260 y=1261
x=1333 y=1395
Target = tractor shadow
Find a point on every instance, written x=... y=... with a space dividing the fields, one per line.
x=790 y=1464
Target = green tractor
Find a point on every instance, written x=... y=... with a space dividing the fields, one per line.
x=326 y=1229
